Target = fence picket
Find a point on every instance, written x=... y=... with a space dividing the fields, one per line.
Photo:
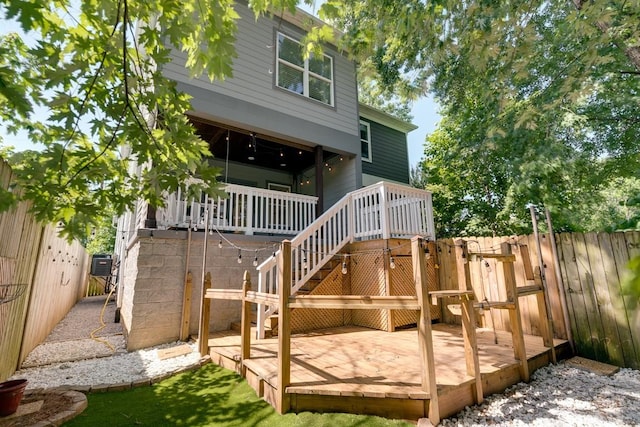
x=581 y=247
x=632 y=302
x=603 y=300
x=618 y=312
x=553 y=288
x=48 y=289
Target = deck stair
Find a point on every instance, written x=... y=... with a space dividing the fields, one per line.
x=270 y=325
x=319 y=276
x=271 y=322
x=379 y=211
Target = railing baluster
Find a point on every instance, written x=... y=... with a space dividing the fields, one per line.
x=376 y=211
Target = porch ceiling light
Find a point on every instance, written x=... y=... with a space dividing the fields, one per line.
x=283 y=161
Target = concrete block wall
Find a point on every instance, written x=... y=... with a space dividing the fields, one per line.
x=154 y=281
x=127 y=285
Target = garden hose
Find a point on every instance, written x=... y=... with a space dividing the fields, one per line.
x=103 y=325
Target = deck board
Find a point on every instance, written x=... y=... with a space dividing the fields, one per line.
x=353 y=361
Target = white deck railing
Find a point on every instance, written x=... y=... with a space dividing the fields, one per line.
x=380 y=211
x=247 y=209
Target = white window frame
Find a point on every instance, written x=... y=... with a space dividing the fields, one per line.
x=368 y=141
x=305 y=72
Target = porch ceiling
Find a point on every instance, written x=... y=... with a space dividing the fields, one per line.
x=254 y=149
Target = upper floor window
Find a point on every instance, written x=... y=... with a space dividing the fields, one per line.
x=311 y=77
x=365 y=141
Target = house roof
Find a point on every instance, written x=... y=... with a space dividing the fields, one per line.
x=386 y=119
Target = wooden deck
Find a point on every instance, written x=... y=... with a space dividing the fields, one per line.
x=361 y=370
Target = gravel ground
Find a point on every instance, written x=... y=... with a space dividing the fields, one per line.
x=116 y=369
x=87 y=349
x=558 y=395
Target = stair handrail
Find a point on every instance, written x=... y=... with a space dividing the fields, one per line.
x=310 y=250
x=383 y=213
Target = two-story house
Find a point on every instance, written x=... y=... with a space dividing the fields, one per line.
x=292 y=141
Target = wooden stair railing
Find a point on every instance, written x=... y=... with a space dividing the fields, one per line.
x=513 y=294
x=379 y=211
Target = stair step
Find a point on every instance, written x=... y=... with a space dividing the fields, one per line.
x=271 y=322
x=268 y=331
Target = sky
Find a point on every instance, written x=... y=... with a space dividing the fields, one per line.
x=426 y=117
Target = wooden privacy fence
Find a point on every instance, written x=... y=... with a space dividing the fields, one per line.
x=41 y=278
x=604 y=322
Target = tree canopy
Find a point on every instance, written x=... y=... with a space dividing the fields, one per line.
x=89 y=90
x=540 y=101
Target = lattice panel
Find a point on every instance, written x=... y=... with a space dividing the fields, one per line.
x=432 y=279
x=304 y=319
x=402 y=283
x=368 y=278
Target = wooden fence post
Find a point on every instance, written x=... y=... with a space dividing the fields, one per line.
x=514 y=313
x=468 y=318
x=186 y=306
x=203 y=335
x=245 y=345
x=283 y=402
x=425 y=339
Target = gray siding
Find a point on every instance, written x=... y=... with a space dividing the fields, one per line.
x=389 y=154
x=252 y=176
x=250 y=99
x=344 y=177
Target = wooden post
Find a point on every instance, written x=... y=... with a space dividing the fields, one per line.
x=561 y=288
x=203 y=330
x=425 y=339
x=468 y=318
x=517 y=334
x=319 y=157
x=545 y=288
x=545 y=325
x=389 y=288
x=186 y=307
x=186 y=297
x=150 y=220
x=284 y=328
x=245 y=345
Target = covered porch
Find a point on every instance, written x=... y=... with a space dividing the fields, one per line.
x=275 y=185
x=247 y=210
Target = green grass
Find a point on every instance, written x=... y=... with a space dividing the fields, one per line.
x=209 y=396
